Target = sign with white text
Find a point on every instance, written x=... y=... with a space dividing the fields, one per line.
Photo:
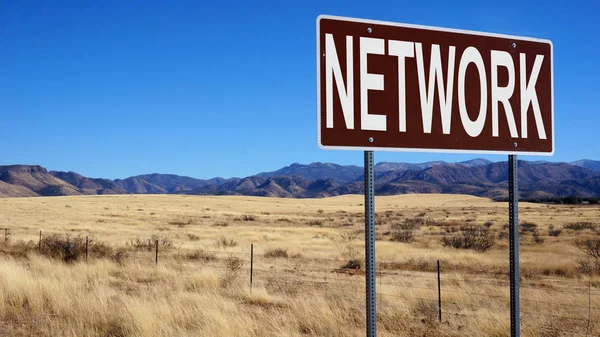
x=395 y=87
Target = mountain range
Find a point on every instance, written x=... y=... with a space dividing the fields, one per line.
x=478 y=177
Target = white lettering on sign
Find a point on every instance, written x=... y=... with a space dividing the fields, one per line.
x=346 y=92
x=403 y=50
x=473 y=128
x=435 y=74
x=503 y=94
x=370 y=82
x=529 y=96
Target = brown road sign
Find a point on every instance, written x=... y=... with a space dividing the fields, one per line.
x=396 y=87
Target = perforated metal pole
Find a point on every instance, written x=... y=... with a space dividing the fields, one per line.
x=513 y=217
x=370 y=245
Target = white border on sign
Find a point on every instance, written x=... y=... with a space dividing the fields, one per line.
x=450 y=30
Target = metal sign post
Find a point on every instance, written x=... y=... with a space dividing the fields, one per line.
x=513 y=218
x=370 y=244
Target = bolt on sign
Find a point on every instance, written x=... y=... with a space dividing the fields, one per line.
x=388 y=86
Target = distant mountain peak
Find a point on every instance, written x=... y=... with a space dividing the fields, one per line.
x=478 y=177
x=593 y=165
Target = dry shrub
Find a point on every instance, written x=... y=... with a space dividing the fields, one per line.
x=71 y=249
x=121 y=257
x=410 y=224
x=405 y=236
x=475 y=238
x=315 y=223
x=354 y=264
x=247 y=217
x=201 y=255
x=18 y=249
x=347 y=247
x=180 y=223
x=588 y=267
x=220 y=224
x=537 y=238
x=193 y=237
x=581 y=225
x=554 y=232
x=277 y=253
x=164 y=241
x=590 y=247
x=529 y=227
x=233 y=265
x=224 y=242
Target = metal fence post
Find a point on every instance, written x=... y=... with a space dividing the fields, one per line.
x=371 y=300
x=40 y=242
x=251 y=263
x=86 y=249
x=439 y=292
x=513 y=217
x=5 y=234
x=156 y=258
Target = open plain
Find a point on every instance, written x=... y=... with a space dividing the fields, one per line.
x=307 y=277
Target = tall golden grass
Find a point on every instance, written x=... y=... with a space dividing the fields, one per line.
x=198 y=288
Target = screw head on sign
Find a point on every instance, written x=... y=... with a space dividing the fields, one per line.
x=369 y=30
x=370 y=139
x=515 y=144
x=514 y=45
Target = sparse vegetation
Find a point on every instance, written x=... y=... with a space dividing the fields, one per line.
x=554 y=231
x=471 y=237
x=581 y=225
x=355 y=264
x=410 y=224
x=221 y=224
x=149 y=244
x=72 y=249
x=537 y=238
x=276 y=253
x=201 y=255
x=193 y=237
x=405 y=236
x=528 y=227
x=315 y=223
x=224 y=242
x=47 y=297
x=348 y=248
x=591 y=247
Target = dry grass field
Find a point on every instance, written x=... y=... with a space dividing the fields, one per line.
x=307 y=276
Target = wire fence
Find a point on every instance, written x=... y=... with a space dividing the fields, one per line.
x=563 y=306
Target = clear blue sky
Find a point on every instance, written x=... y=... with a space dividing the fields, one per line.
x=216 y=88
